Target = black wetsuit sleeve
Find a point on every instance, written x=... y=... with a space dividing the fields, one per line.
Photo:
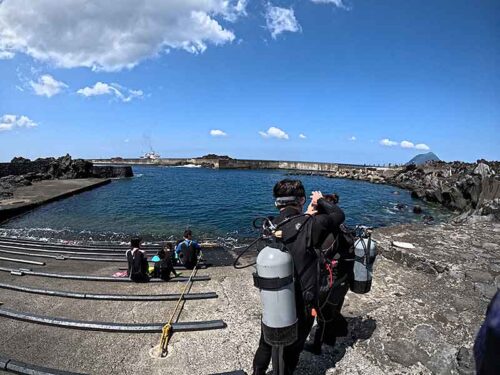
x=335 y=214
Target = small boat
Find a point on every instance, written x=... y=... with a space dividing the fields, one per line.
x=151 y=155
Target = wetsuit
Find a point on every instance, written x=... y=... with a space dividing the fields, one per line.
x=137 y=265
x=298 y=235
x=331 y=323
x=187 y=252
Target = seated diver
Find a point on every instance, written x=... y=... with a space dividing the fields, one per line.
x=164 y=265
x=187 y=251
x=330 y=322
x=137 y=261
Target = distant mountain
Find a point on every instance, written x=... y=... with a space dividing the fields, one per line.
x=424 y=158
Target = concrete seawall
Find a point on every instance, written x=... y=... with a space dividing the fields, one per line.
x=225 y=163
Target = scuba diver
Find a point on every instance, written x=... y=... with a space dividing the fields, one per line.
x=330 y=322
x=137 y=262
x=300 y=233
x=164 y=263
x=187 y=251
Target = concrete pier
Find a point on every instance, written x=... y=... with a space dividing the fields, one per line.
x=29 y=197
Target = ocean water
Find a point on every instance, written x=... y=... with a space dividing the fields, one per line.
x=160 y=202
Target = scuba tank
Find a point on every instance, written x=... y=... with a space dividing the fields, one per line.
x=365 y=251
x=274 y=278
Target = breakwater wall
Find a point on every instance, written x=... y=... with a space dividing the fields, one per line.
x=228 y=163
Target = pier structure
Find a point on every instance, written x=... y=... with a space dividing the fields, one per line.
x=230 y=163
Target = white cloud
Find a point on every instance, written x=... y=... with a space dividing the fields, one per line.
x=407 y=144
x=112 y=35
x=9 y=122
x=239 y=9
x=6 y=55
x=279 y=20
x=422 y=146
x=337 y=3
x=274 y=132
x=47 y=85
x=114 y=89
x=353 y=138
x=217 y=133
x=388 y=142
x=302 y=136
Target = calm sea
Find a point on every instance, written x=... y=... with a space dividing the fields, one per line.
x=160 y=202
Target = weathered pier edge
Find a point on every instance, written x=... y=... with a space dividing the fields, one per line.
x=60 y=189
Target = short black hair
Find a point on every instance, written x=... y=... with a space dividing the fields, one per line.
x=135 y=241
x=334 y=198
x=289 y=188
x=187 y=233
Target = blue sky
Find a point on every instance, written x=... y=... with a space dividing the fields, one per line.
x=361 y=81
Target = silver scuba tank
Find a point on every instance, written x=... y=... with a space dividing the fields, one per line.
x=274 y=278
x=365 y=251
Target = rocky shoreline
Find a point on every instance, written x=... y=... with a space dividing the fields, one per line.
x=469 y=189
x=24 y=172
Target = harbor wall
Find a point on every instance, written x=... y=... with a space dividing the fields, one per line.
x=226 y=163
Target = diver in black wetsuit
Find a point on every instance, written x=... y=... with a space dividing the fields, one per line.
x=299 y=235
x=330 y=322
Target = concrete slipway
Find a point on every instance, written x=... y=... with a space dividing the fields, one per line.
x=420 y=317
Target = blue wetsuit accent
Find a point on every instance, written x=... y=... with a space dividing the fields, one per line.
x=188 y=243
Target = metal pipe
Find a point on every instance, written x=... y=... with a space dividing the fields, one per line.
x=111 y=326
x=74 y=246
x=17 y=367
x=109 y=297
x=33 y=262
x=100 y=253
x=63 y=257
x=22 y=272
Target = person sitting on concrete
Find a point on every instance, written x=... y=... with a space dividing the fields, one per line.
x=164 y=264
x=137 y=262
x=187 y=251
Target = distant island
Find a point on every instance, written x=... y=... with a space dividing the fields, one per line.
x=423 y=158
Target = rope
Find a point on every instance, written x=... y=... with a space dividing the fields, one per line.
x=166 y=332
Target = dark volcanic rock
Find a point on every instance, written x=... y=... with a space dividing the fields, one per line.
x=469 y=188
x=22 y=172
x=9 y=183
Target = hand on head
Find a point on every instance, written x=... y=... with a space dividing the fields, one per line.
x=315 y=196
x=311 y=209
